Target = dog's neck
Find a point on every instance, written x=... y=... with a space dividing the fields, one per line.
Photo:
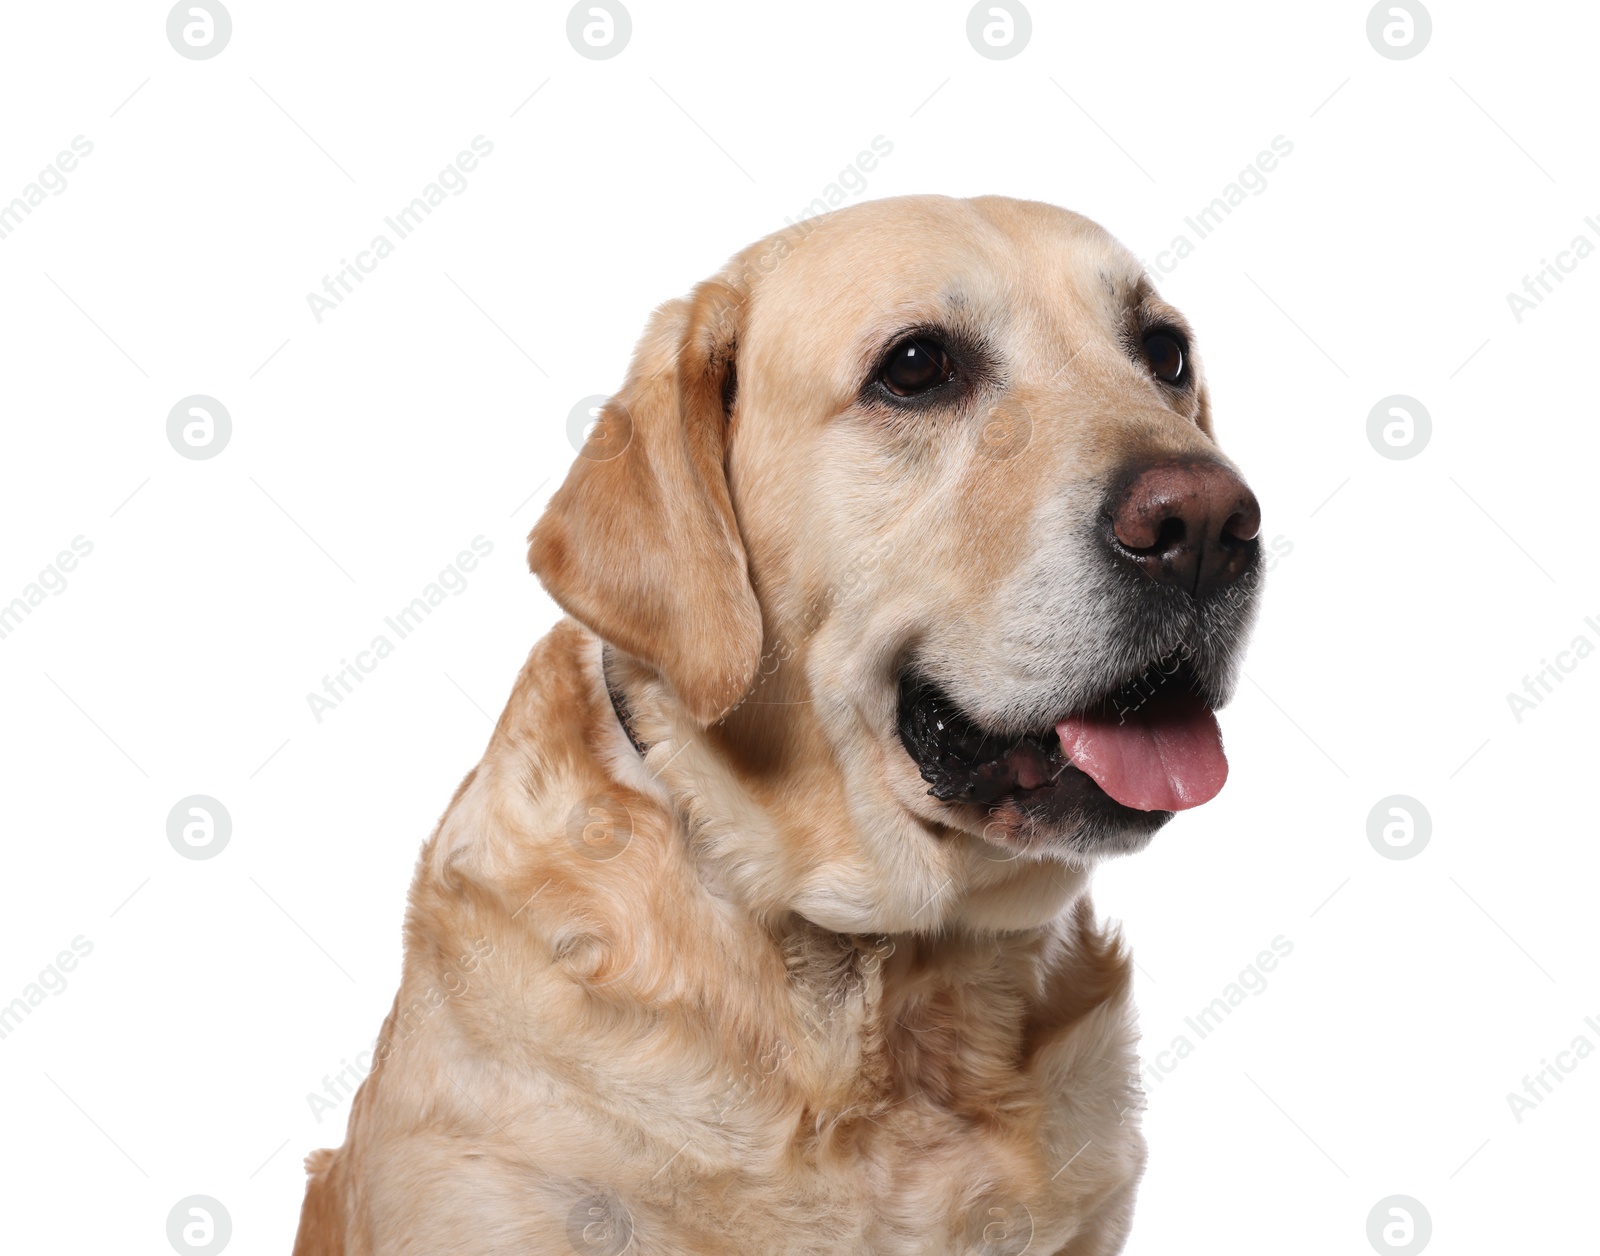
x=619 y=701
x=776 y=839
x=764 y=888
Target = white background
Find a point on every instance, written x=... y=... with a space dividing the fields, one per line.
x=430 y=408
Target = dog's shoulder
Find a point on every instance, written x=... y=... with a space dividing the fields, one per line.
x=584 y=1028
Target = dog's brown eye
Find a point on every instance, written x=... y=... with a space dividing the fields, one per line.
x=915 y=365
x=1164 y=352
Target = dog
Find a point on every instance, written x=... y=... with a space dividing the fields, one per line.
x=901 y=578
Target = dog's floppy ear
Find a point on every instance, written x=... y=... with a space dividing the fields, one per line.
x=640 y=543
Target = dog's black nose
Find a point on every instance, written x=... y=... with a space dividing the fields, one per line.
x=1192 y=525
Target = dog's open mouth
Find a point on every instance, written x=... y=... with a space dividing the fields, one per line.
x=1151 y=745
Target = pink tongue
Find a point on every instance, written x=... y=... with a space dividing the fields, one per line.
x=1165 y=756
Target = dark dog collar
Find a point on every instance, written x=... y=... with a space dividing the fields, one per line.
x=619 y=703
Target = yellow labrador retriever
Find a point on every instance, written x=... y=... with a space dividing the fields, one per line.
x=902 y=576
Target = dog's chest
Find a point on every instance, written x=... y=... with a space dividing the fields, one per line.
x=896 y=1116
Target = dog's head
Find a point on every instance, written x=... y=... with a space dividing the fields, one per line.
x=915 y=511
